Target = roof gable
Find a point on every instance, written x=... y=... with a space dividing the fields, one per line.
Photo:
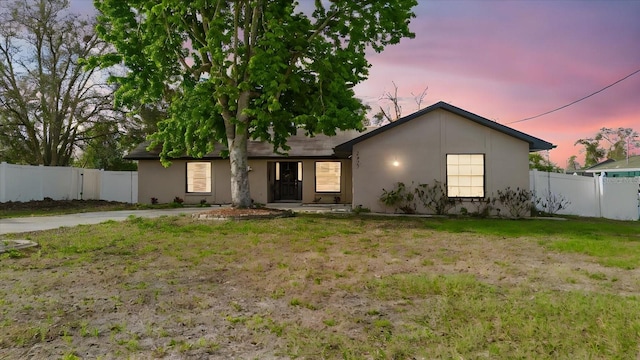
x=535 y=144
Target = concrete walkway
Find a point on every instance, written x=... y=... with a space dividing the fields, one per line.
x=37 y=223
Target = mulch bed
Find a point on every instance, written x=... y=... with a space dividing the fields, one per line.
x=230 y=213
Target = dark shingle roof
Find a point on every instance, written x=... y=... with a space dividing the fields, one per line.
x=535 y=144
x=341 y=145
x=302 y=146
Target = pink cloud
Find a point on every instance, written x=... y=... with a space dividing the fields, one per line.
x=510 y=60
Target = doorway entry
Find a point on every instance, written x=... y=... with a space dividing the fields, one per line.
x=285 y=181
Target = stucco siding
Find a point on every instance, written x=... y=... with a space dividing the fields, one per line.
x=419 y=148
x=165 y=184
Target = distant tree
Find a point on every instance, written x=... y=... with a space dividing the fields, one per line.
x=539 y=162
x=105 y=148
x=49 y=102
x=619 y=141
x=393 y=100
x=609 y=143
x=572 y=164
x=260 y=69
x=592 y=150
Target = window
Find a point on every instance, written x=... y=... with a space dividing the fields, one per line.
x=465 y=175
x=198 y=177
x=328 y=176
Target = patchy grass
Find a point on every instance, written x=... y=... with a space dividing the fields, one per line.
x=325 y=287
x=613 y=243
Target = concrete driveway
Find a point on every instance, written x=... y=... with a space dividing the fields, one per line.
x=37 y=223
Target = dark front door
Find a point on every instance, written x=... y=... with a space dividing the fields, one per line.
x=288 y=184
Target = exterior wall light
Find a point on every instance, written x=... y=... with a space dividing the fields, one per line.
x=396 y=163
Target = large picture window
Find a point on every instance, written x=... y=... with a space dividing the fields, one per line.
x=198 y=177
x=328 y=176
x=465 y=175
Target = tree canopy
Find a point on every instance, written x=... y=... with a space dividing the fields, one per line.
x=609 y=143
x=49 y=103
x=539 y=162
x=235 y=70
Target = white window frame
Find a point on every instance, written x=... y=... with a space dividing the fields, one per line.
x=325 y=169
x=466 y=175
x=198 y=176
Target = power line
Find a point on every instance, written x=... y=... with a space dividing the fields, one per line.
x=577 y=101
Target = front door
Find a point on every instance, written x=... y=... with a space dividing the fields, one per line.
x=288 y=181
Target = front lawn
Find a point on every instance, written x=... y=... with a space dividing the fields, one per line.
x=325 y=287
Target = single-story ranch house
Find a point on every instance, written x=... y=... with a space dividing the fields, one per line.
x=473 y=155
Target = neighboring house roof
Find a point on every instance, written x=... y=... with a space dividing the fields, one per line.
x=535 y=144
x=301 y=146
x=616 y=166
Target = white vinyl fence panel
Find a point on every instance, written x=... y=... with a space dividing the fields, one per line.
x=25 y=183
x=91 y=183
x=581 y=191
x=620 y=198
x=612 y=198
x=115 y=183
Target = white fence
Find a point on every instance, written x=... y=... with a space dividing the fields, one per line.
x=612 y=198
x=25 y=183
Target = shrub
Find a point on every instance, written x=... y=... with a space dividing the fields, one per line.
x=177 y=202
x=399 y=198
x=434 y=197
x=552 y=203
x=483 y=206
x=519 y=201
x=360 y=210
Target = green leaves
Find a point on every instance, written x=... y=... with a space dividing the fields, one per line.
x=268 y=68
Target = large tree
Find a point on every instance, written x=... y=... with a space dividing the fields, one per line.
x=244 y=69
x=619 y=141
x=49 y=102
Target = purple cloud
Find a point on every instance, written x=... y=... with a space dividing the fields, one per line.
x=508 y=60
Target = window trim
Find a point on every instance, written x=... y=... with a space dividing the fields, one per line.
x=484 y=176
x=208 y=178
x=315 y=169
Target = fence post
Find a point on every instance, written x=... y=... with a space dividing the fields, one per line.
x=3 y=181
x=534 y=174
x=130 y=187
x=101 y=182
x=42 y=173
x=599 y=188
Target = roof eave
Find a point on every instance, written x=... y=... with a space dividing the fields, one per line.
x=611 y=170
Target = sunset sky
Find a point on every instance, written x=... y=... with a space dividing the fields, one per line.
x=510 y=60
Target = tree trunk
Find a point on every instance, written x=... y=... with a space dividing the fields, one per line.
x=240 y=195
